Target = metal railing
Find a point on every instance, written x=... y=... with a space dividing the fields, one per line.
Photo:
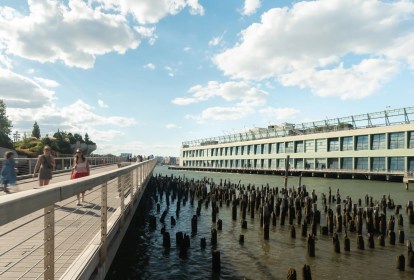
x=44 y=232
x=25 y=166
x=377 y=119
x=298 y=170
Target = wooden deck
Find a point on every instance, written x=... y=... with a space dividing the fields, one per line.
x=75 y=226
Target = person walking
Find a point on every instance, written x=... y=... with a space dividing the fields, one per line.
x=45 y=165
x=8 y=171
x=80 y=169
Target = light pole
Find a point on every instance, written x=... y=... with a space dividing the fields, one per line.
x=16 y=136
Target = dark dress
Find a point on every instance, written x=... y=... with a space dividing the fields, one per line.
x=45 y=172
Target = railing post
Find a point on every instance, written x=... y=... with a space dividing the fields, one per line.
x=30 y=166
x=49 y=239
x=104 y=219
x=121 y=188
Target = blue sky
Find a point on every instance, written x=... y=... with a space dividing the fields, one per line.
x=144 y=76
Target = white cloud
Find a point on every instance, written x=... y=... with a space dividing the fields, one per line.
x=215 y=41
x=246 y=94
x=250 y=7
x=5 y=61
x=74 y=34
x=299 y=46
x=18 y=91
x=150 y=11
x=46 y=82
x=170 y=70
x=222 y=114
x=243 y=98
x=187 y=49
x=102 y=104
x=357 y=82
x=171 y=126
x=149 y=66
x=277 y=114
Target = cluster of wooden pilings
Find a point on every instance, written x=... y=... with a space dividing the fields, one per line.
x=293 y=207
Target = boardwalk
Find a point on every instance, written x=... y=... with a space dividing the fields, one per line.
x=22 y=251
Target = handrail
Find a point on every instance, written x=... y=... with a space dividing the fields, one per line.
x=17 y=205
x=43 y=244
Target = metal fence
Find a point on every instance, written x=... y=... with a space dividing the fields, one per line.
x=43 y=232
x=25 y=166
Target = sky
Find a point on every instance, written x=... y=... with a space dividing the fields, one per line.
x=144 y=76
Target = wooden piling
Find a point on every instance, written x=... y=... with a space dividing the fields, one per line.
x=216 y=261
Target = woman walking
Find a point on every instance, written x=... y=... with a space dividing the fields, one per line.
x=8 y=171
x=80 y=169
x=45 y=165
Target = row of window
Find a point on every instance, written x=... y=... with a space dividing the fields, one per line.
x=349 y=163
x=395 y=140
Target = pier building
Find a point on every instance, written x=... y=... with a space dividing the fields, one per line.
x=377 y=145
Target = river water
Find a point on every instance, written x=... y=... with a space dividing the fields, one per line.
x=141 y=255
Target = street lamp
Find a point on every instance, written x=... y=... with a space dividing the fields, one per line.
x=16 y=136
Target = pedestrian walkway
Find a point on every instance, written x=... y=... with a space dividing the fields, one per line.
x=22 y=242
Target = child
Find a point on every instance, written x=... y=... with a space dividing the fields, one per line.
x=8 y=171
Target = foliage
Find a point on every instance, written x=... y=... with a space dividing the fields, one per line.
x=5 y=127
x=36 y=131
x=60 y=143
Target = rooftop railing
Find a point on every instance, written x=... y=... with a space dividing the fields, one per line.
x=376 y=119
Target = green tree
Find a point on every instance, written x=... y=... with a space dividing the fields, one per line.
x=36 y=131
x=78 y=137
x=5 y=127
x=71 y=138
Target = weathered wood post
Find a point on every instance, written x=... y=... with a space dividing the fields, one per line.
x=49 y=242
x=311 y=246
x=401 y=262
x=286 y=170
x=216 y=260
x=104 y=224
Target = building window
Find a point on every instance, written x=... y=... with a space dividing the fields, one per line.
x=347 y=144
x=321 y=145
x=320 y=163
x=362 y=142
x=378 y=142
x=410 y=164
x=396 y=164
x=378 y=163
x=264 y=148
x=361 y=163
x=411 y=139
x=309 y=164
x=273 y=148
x=397 y=140
x=258 y=149
x=310 y=146
x=299 y=147
x=289 y=147
x=333 y=163
x=333 y=144
x=346 y=163
x=280 y=148
x=280 y=163
x=299 y=163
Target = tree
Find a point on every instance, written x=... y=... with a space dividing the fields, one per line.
x=5 y=127
x=36 y=131
x=78 y=137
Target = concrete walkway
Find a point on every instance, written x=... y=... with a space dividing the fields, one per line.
x=21 y=241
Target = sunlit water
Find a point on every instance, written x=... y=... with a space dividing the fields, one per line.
x=141 y=255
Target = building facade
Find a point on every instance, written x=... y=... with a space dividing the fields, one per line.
x=373 y=142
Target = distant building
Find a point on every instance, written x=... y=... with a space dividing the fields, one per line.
x=381 y=141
